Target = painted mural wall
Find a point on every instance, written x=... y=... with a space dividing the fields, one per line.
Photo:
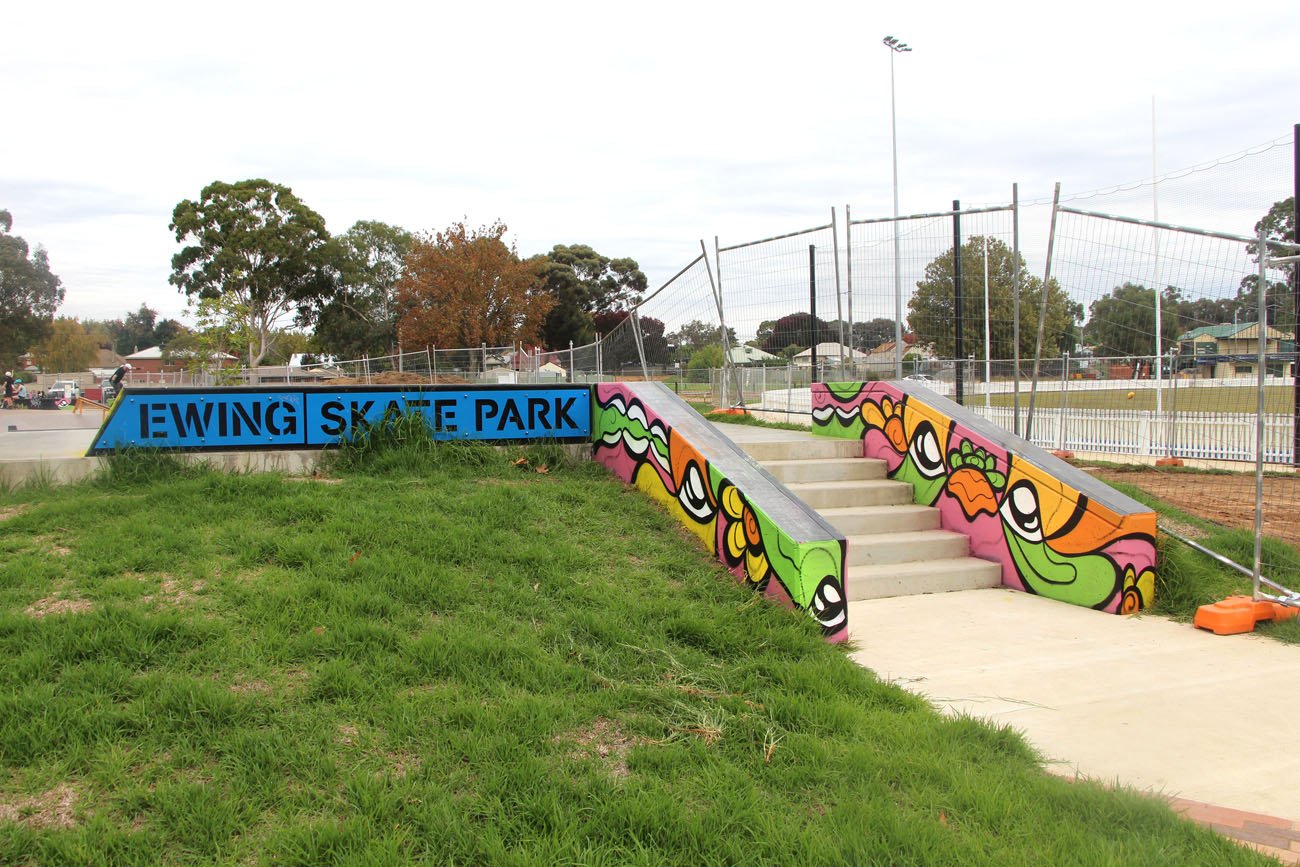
x=1020 y=506
x=640 y=447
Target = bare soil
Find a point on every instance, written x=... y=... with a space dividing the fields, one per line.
x=1227 y=499
x=52 y=809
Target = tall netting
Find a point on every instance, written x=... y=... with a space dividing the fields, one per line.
x=1190 y=392
x=666 y=337
x=949 y=340
x=783 y=295
x=1229 y=194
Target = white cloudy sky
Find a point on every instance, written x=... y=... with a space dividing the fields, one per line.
x=636 y=128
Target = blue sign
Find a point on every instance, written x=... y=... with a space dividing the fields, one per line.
x=280 y=418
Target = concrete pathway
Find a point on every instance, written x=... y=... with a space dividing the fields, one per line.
x=1144 y=701
x=34 y=441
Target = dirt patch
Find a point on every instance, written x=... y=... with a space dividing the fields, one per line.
x=1227 y=499
x=172 y=592
x=347 y=735
x=11 y=512
x=322 y=480
x=52 y=809
x=250 y=687
x=50 y=606
x=604 y=739
x=402 y=763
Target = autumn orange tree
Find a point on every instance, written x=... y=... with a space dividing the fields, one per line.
x=463 y=288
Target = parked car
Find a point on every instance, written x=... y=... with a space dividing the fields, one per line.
x=63 y=392
x=920 y=377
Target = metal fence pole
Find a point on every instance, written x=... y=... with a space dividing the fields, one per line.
x=839 y=310
x=640 y=347
x=1261 y=289
x=988 y=364
x=1015 y=306
x=1042 y=312
x=812 y=307
x=1295 y=306
x=1065 y=399
x=958 y=307
x=848 y=274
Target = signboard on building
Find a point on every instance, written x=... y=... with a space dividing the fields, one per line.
x=231 y=419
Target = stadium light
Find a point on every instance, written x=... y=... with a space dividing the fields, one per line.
x=896 y=46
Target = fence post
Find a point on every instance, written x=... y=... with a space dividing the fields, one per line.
x=958 y=308
x=1261 y=290
x=812 y=309
x=1295 y=307
x=1042 y=310
x=1015 y=306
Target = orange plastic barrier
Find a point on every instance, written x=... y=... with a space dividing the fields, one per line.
x=1238 y=614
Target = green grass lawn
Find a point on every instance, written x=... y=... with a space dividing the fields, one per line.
x=439 y=656
x=1188 y=397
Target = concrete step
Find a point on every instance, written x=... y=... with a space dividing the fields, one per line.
x=872 y=492
x=887 y=548
x=826 y=469
x=867 y=520
x=929 y=576
x=802 y=449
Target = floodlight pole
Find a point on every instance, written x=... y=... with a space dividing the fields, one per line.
x=896 y=46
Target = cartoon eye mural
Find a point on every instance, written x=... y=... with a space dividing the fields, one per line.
x=828 y=605
x=924 y=466
x=694 y=495
x=925 y=452
x=1020 y=511
x=1045 y=561
x=689 y=474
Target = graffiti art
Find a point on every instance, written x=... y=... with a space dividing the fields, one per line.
x=641 y=448
x=1050 y=538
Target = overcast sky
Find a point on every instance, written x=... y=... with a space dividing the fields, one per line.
x=636 y=128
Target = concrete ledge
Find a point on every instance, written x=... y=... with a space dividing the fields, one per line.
x=1056 y=530
x=764 y=534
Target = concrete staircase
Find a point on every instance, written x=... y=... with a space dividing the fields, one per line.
x=895 y=548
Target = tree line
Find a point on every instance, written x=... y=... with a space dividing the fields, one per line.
x=264 y=277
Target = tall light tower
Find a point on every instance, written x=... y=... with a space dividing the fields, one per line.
x=896 y=46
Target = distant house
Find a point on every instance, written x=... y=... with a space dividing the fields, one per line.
x=746 y=354
x=1232 y=349
x=830 y=353
x=151 y=361
x=884 y=353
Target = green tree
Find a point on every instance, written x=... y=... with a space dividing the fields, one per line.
x=697 y=334
x=1277 y=225
x=870 y=334
x=257 y=246
x=1122 y=323
x=140 y=330
x=932 y=313
x=69 y=347
x=706 y=358
x=583 y=283
x=361 y=318
x=801 y=329
x=29 y=294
